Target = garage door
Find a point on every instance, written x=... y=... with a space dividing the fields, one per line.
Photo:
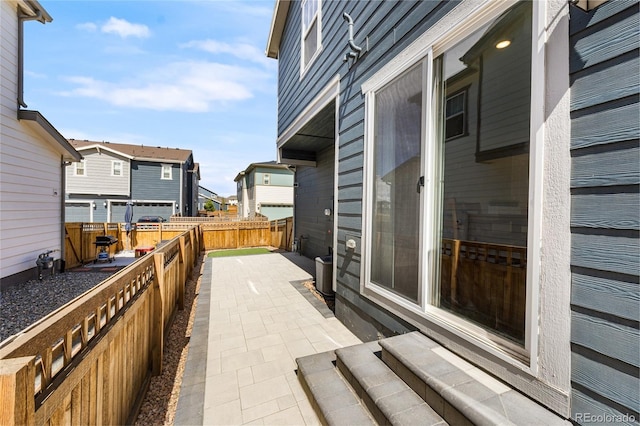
x=77 y=212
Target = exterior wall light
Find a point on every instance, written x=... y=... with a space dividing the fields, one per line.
x=105 y=204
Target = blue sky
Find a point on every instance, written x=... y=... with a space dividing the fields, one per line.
x=181 y=74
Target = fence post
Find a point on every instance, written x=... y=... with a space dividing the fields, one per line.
x=157 y=315
x=183 y=273
x=17 y=378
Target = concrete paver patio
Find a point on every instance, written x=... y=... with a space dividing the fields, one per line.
x=251 y=324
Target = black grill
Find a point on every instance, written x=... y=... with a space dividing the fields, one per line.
x=105 y=241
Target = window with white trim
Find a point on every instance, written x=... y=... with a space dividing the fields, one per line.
x=166 y=172
x=455 y=117
x=80 y=168
x=266 y=179
x=311 y=40
x=447 y=225
x=116 y=168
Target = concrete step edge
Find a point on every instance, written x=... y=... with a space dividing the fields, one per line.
x=389 y=399
x=458 y=391
x=333 y=399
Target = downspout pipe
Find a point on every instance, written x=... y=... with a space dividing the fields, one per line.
x=21 y=19
x=63 y=184
x=355 y=49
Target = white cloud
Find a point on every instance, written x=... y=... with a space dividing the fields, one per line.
x=179 y=86
x=35 y=74
x=87 y=26
x=240 y=50
x=125 y=29
x=245 y=9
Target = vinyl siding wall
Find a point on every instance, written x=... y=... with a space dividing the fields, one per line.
x=146 y=182
x=314 y=194
x=97 y=178
x=266 y=194
x=30 y=170
x=605 y=212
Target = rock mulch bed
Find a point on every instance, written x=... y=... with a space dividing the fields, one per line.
x=22 y=305
x=329 y=301
x=161 y=400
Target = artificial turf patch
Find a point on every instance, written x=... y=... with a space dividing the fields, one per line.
x=239 y=252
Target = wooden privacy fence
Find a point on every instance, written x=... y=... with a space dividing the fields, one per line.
x=222 y=218
x=216 y=234
x=486 y=283
x=282 y=233
x=90 y=361
x=80 y=237
x=231 y=235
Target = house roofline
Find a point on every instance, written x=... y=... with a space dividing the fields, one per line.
x=280 y=12
x=34 y=8
x=113 y=148
x=253 y=166
x=101 y=147
x=41 y=125
x=159 y=160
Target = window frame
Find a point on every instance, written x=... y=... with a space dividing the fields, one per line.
x=304 y=33
x=266 y=179
x=76 y=168
x=440 y=39
x=169 y=168
x=465 y=107
x=113 y=168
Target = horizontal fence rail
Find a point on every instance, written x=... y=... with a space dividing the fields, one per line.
x=90 y=361
x=224 y=218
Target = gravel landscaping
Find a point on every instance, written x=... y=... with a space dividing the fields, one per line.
x=21 y=306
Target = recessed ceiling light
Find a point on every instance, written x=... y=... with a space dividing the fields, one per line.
x=502 y=44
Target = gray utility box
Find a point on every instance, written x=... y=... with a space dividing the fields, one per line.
x=324 y=275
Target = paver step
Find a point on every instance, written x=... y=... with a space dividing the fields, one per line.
x=455 y=389
x=332 y=398
x=389 y=399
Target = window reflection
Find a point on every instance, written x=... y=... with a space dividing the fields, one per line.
x=397 y=151
x=485 y=143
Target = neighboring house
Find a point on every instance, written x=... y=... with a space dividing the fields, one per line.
x=481 y=163
x=265 y=188
x=231 y=205
x=159 y=180
x=33 y=156
x=205 y=195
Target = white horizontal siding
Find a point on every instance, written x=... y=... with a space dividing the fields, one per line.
x=8 y=60
x=97 y=178
x=30 y=170
x=266 y=194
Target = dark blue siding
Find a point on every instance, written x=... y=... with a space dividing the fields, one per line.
x=314 y=194
x=605 y=214
x=147 y=185
x=390 y=27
